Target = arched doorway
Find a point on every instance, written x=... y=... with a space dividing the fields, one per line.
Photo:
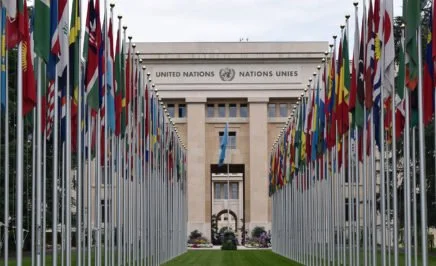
x=220 y=222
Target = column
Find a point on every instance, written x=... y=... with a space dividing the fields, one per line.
x=258 y=184
x=196 y=145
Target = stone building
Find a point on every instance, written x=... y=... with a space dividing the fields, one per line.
x=250 y=85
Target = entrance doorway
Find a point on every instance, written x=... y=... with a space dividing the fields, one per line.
x=228 y=201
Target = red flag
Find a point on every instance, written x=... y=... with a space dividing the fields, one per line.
x=28 y=75
x=18 y=27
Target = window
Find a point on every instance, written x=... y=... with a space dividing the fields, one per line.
x=217 y=190
x=353 y=210
x=221 y=110
x=271 y=110
x=243 y=110
x=182 y=110
x=232 y=110
x=171 y=109
x=231 y=139
x=234 y=190
x=283 y=110
x=210 y=110
x=102 y=210
x=221 y=191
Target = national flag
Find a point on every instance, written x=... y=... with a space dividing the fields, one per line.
x=11 y=8
x=64 y=43
x=42 y=28
x=400 y=113
x=17 y=22
x=331 y=103
x=223 y=145
x=412 y=14
x=369 y=60
x=51 y=65
x=28 y=75
x=428 y=76
x=74 y=69
x=3 y=85
x=376 y=95
x=123 y=116
x=91 y=76
x=110 y=81
x=344 y=88
x=118 y=84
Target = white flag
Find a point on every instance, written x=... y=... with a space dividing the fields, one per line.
x=11 y=8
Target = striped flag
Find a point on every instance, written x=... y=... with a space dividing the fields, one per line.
x=51 y=66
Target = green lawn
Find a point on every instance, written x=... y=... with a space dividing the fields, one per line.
x=228 y=258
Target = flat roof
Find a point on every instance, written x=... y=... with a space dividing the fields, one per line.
x=230 y=47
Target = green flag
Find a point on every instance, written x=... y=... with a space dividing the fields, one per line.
x=123 y=92
x=412 y=13
x=42 y=29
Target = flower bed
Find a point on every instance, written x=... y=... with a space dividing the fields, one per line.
x=200 y=245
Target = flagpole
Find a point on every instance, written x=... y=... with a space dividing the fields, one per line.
x=406 y=147
x=6 y=169
x=44 y=189
x=414 y=207
x=394 y=176
x=79 y=168
x=119 y=168
x=422 y=189
x=38 y=167
x=105 y=141
x=113 y=150
x=20 y=128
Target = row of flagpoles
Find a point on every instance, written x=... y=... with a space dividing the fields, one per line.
x=104 y=148
x=349 y=144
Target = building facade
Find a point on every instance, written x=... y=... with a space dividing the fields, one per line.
x=252 y=87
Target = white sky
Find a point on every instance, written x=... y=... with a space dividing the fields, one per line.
x=218 y=20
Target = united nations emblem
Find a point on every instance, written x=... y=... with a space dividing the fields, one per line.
x=227 y=74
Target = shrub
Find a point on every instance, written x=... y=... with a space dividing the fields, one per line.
x=194 y=235
x=228 y=245
x=257 y=231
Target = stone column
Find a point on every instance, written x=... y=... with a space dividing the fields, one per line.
x=258 y=168
x=196 y=145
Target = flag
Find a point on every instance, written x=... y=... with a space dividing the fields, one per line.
x=223 y=145
x=344 y=88
x=3 y=85
x=331 y=103
x=28 y=75
x=110 y=81
x=428 y=77
x=400 y=112
x=91 y=76
x=123 y=115
x=376 y=94
x=389 y=49
x=412 y=15
x=354 y=72
x=51 y=65
x=118 y=84
x=74 y=69
x=42 y=28
x=10 y=7
x=17 y=23
x=369 y=60
x=64 y=42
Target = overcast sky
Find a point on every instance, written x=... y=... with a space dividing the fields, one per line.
x=217 y=20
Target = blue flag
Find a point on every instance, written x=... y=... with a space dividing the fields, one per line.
x=223 y=145
x=3 y=85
